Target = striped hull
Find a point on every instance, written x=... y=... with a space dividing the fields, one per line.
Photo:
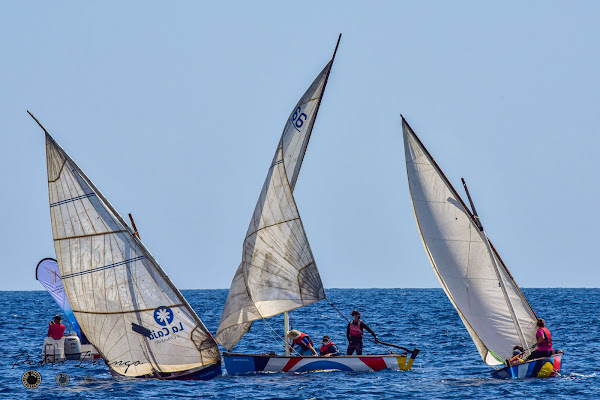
x=540 y=368
x=248 y=363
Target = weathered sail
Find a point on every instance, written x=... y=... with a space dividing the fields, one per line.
x=461 y=260
x=48 y=275
x=124 y=302
x=278 y=271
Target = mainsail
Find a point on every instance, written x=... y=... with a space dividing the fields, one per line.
x=48 y=275
x=462 y=260
x=125 y=303
x=278 y=272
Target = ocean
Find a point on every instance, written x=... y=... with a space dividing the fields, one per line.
x=448 y=366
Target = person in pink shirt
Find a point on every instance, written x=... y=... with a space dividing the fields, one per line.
x=56 y=329
x=544 y=341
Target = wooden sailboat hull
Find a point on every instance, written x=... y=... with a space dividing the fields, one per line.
x=249 y=363
x=538 y=368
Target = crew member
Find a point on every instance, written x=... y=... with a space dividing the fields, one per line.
x=329 y=348
x=544 y=341
x=303 y=341
x=55 y=328
x=354 y=334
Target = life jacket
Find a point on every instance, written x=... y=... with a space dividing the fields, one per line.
x=324 y=348
x=547 y=343
x=355 y=331
x=300 y=343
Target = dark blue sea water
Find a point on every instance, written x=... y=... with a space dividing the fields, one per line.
x=448 y=366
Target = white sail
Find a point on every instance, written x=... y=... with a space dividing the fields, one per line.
x=461 y=259
x=124 y=302
x=278 y=271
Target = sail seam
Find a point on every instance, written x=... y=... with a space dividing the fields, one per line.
x=90 y=235
x=124 y=312
x=269 y=226
x=59 y=171
x=84 y=196
x=89 y=271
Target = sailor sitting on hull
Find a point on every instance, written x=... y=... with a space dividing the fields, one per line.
x=303 y=341
x=544 y=341
x=329 y=348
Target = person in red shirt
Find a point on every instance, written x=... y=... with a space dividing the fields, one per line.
x=544 y=341
x=56 y=329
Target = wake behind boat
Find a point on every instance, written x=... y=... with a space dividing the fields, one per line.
x=278 y=272
x=122 y=299
x=471 y=272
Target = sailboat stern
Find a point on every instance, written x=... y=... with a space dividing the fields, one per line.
x=539 y=368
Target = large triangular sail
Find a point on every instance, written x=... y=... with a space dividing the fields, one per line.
x=124 y=302
x=278 y=272
x=460 y=256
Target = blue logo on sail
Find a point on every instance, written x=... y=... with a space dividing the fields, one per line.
x=163 y=316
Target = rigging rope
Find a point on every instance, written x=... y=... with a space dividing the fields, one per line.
x=278 y=338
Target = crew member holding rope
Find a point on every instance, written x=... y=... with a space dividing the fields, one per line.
x=354 y=333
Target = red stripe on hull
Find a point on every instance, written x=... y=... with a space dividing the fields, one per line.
x=556 y=366
x=375 y=363
x=290 y=364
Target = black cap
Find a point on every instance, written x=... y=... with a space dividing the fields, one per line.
x=353 y=313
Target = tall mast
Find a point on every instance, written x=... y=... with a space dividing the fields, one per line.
x=286 y=317
x=497 y=270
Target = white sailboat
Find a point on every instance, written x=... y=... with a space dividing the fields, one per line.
x=471 y=272
x=125 y=303
x=278 y=272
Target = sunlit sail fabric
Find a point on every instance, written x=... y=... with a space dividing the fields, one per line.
x=124 y=302
x=461 y=260
x=48 y=275
x=278 y=271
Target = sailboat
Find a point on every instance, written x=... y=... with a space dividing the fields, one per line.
x=278 y=272
x=470 y=270
x=74 y=346
x=122 y=299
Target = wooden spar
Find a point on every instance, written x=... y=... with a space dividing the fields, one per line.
x=286 y=323
x=135 y=231
x=497 y=270
x=38 y=122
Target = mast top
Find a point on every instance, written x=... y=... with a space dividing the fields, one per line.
x=336 y=46
x=38 y=122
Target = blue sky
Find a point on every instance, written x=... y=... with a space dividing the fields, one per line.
x=174 y=110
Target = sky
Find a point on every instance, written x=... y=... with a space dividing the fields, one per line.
x=174 y=111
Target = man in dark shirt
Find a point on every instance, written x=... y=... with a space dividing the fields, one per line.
x=354 y=334
x=56 y=329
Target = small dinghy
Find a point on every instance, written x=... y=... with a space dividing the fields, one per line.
x=470 y=270
x=278 y=272
x=73 y=346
